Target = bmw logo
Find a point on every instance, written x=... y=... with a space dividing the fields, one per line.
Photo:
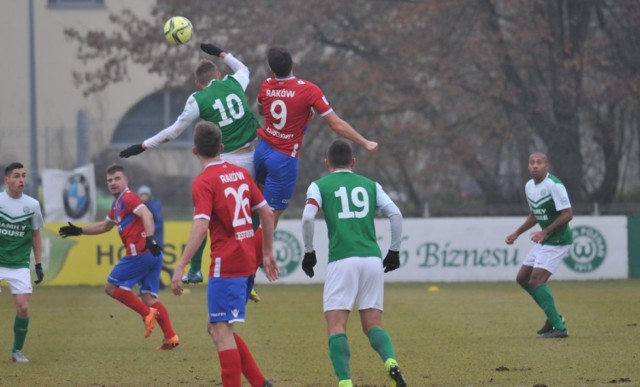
x=76 y=196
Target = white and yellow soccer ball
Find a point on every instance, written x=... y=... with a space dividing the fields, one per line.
x=178 y=30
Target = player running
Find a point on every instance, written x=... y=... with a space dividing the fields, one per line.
x=143 y=262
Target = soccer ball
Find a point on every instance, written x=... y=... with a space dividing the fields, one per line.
x=178 y=30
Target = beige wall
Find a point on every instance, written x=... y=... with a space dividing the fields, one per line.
x=58 y=101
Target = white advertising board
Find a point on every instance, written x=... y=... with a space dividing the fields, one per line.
x=466 y=249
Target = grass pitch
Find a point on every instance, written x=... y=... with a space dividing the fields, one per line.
x=470 y=334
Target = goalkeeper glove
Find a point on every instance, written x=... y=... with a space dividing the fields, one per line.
x=308 y=262
x=391 y=261
x=211 y=49
x=153 y=246
x=132 y=151
x=39 y=273
x=70 y=230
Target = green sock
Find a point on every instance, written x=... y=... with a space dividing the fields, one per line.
x=530 y=291
x=20 y=328
x=196 y=260
x=544 y=298
x=381 y=343
x=339 y=353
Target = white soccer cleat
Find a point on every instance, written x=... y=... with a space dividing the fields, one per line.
x=19 y=357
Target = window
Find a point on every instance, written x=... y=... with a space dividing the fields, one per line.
x=149 y=116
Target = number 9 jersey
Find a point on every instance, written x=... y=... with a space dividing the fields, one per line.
x=225 y=195
x=286 y=105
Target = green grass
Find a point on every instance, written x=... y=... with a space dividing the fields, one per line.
x=465 y=334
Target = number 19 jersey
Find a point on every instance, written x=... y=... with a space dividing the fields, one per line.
x=349 y=202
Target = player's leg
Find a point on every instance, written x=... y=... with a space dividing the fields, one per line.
x=370 y=304
x=19 y=281
x=194 y=275
x=20 y=327
x=226 y=298
x=123 y=277
x=149 y=287
x=339 y=296
x=546 y=264
x=280 y=181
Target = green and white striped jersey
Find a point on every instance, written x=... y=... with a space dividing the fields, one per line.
x=546 y=200
x=349 y=202
x=18 y=218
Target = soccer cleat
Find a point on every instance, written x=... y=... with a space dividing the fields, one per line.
x=547 y=327
x=397 y=380
x=345 y=383
x=254 y=296
x=555 y=334
x=19 y=357
x=268 y=383
x=194 y=278
x=169 y=344
x=150 y=321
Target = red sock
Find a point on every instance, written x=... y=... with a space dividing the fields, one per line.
x=163 y=320
x=130 y=300
x=250 y=369
x=231 y=370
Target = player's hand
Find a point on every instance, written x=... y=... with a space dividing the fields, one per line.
x=132 y=151
x=70 y=230
x=211 y=49
x=391 y=261
x=176 y=280
x=308 y=262
x=511 y=238
x=371 y=146
x=39 y=273
x=153 y=246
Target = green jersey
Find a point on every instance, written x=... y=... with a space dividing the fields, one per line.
x=349 y=202
x=18 y=219
x=223 y=102
x=546 y=200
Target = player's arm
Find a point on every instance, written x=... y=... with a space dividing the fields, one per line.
x=342 y=128
x=147 y=219
x=36 y=244
x=97 y=228
x=308 y=227
x=388 y=208
x=267 y=219
x=189 y=114
x=565 y=216
x=529 y=222
x=238 y=68
x=197 y=235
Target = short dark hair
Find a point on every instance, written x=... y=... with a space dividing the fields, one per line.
x=280 y=61
x=340 y=154
x=11 y=167
x=207 y=138
x=113 y=168
x=206 y=71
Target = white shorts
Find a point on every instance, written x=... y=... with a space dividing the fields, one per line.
x=351 y=280
x=244 y=160
x=546 y=257
x=19 y=280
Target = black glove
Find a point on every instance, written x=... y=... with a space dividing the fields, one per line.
x=39 y=273
x=132 y=151
x=391 y=261
x=70 y=230
x=308 y=262
x=211 y=49
x=153 y=246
